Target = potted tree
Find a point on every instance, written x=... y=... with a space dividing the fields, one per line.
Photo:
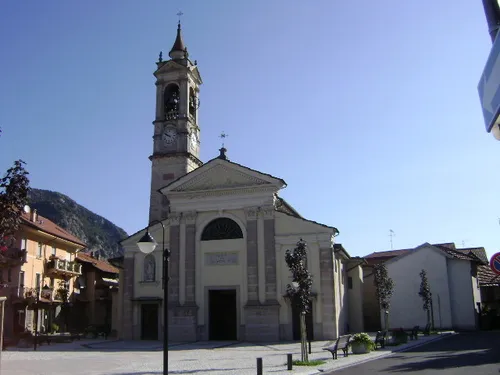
x=361 y=343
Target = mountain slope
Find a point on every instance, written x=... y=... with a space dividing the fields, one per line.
x=97 y=232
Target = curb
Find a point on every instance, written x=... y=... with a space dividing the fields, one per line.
x=440 y=337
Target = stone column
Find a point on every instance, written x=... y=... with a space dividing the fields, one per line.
x=327 y=293
x=128 y=295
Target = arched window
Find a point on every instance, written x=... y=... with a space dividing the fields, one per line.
x=171 y=100
x=194 y=103
x=221 y=229
x=149 y=268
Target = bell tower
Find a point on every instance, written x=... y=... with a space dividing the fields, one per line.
x=176 y=139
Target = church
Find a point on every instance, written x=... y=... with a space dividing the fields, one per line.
x=227 y=230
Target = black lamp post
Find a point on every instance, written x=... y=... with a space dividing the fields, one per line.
x=147 y=244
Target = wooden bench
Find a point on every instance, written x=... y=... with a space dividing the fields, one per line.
x=380 y=339
x=413 y=334
x=341 y=343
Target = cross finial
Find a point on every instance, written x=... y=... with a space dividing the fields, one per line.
x=179 y=14
x=223 y=136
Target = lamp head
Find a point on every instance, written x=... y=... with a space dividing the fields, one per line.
x=495 y=131
x=147 y=243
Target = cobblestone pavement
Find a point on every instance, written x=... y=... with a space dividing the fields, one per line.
x=145 y=358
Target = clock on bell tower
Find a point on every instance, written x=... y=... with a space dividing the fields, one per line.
x=176 y=139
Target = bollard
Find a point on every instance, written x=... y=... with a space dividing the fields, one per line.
x=309 y=346
x=289 y=361
x=259 y=366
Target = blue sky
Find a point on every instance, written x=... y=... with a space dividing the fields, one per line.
x=368 y=110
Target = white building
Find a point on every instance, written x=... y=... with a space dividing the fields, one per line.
x=452 y=277
x=227 y=230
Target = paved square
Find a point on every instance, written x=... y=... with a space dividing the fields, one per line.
x=145 y=358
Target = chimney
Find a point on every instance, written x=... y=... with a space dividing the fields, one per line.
x=34 y=215
x=97 y=255
x=91 y=254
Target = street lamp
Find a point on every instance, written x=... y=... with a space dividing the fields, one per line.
x=147 y=245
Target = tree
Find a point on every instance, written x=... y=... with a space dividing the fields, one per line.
x=426 y=294
x=300 y=289
x=14 y=189
x=384 y=287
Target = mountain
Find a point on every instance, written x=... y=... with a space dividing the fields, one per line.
x=97 y=232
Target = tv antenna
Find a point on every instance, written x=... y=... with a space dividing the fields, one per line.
x=391 y=236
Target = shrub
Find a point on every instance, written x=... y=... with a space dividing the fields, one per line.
x=362 y=338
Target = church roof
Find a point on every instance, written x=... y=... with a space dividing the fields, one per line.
x=179 y=42
x=218 y=159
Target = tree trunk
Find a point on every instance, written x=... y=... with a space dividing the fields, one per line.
x=386 y=321
x=303 y=338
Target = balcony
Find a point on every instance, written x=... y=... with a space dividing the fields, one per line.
x=13 y=257
x=64 y=267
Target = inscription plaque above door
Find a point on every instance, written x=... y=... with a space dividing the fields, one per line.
x=221 y=259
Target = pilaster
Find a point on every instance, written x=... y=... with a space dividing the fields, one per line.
x=173 y=284
x=261 y=261
x=182 y=261
x=190 y=259
x=128 y=295
x=270 y=271
x=327 y=293
x=252 y=256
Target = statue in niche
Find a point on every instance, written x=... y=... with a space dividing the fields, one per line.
x=149 y=268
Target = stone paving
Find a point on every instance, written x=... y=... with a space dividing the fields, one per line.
x=91 y=357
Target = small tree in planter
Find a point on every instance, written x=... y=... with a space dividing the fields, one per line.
x=384 y=287
x=361 y=343
x=426 y=295
x=300 y=292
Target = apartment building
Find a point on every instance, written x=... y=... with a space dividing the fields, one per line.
x=38 y=273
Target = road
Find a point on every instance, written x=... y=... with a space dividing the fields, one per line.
x=475 y=353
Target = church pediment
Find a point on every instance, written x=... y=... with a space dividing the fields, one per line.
x=222 y=175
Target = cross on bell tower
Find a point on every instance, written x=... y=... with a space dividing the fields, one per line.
x=176 y=137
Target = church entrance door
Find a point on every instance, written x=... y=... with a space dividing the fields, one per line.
x=296 y=322
x=149 y=321
x=222 y=311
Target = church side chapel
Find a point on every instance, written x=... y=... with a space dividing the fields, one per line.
x=227 y=230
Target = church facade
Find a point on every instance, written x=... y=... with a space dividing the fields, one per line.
x=227 y=230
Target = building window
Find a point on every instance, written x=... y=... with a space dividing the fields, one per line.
x=349 y=282
x=149 y=268
x=24 y=244
x=39 y=250
x=53 y=250
x=221 y=229
x=52 y=282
